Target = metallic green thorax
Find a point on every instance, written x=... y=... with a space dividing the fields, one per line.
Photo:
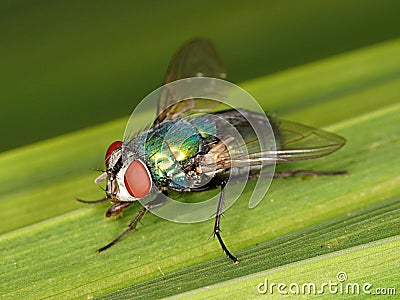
x=170 y=144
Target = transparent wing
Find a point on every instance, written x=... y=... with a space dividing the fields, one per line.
x=294 y=142
x=197 y=58
x=248 y=154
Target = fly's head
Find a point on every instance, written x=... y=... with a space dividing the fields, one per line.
x=128 y=177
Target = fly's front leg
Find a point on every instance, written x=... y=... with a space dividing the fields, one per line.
x=117 y=208
x=158 y=201
x=93 y=202
x=217 y=228
x=131 y=226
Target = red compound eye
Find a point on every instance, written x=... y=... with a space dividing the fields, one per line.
x=137 y=179
x=110 y=150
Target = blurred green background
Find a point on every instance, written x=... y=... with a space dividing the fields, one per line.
x=67 y=65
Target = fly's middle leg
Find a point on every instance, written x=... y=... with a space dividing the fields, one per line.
x=217 y=228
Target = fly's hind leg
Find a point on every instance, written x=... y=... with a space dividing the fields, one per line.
x=217 y=228
x=291 y=173
x=158 y=201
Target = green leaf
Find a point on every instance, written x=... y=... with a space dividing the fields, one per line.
x=296 y=256
x=306 y=229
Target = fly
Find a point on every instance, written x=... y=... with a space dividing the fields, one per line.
x=140 y=165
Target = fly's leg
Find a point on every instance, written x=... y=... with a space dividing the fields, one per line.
x=291 y=173
x=217 y=228
x=158 y=201
x=117 y=208
x=114 y=210
x=131 y=226
x=93 y=202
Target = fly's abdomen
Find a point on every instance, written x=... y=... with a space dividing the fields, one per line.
x=240 y=151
